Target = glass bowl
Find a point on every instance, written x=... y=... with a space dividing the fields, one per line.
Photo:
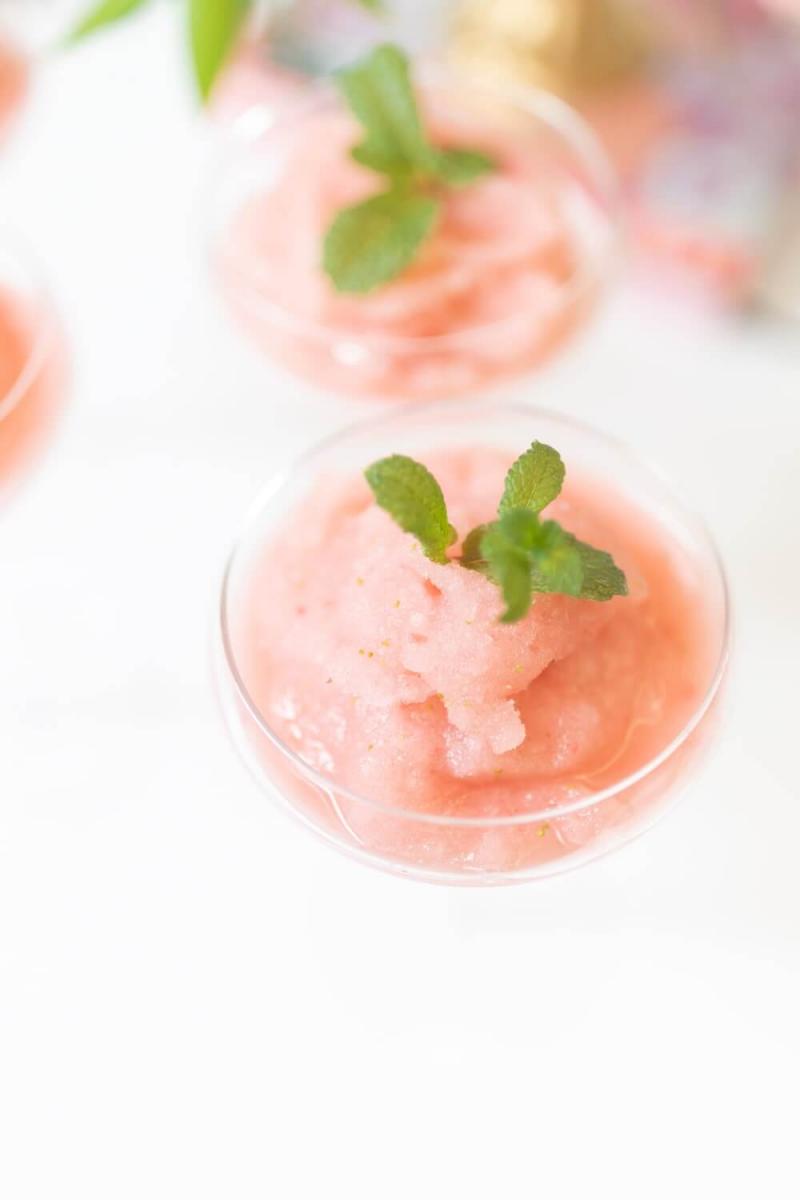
x=32 y=361
x=440 y=337
x=446 y=846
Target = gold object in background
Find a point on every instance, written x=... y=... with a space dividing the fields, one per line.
x=571 y=47
x=778 y=288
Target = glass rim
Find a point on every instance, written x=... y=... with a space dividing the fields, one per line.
x=280 y=480
x=17 y=249
x=258 y=124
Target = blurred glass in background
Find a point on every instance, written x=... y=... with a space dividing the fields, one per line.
x=696 y=102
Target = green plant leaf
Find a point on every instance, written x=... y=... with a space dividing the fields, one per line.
x=370 y=243
x=408 y=492
x=553 y=561
x=459 y=167
x=505 y=548
x=107 y=12
x=534 y=480
x=557 y=565
x=375 y=6
x=471 y=553
x=214 y=26
x=519 y=552
x=390 y=227
x=379 y=92
x=382 y=160
x=602 y=578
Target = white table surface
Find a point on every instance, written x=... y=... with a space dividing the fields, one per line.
x=197 y=999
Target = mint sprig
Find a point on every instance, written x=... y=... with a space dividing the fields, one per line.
x=519 y=551
x=379 y=92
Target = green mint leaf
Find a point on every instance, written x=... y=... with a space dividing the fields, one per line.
x=534 y=480
x=107 y=12
x=557 y=564
x=505 y=546
x=471 y=553
x=459 y=167
x=375 y=6
x=214 y=26
x=412 y=497
x=378 y=90
x=524 y=555
x=519 y=552
x=385 y=162
x=370 y=243
x=602 y=578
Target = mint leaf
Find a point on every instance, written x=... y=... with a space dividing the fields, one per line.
x=459 y=167
x=214 y=26
x=376 y=6
x=550 y=553
x=524 y=555
x=557 y=565
x=107 y=12
x=602 y=578
x=385 y=161
x=370 y=243
x=412 y=497
x=534 y=480
x=471 y=553
x=379 y=92
x=506 y=548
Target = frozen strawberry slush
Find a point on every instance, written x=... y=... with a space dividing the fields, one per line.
x=392 y=675
x=508 y=273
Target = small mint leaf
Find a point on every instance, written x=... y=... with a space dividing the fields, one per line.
x=375 y=6
x=534 y=480
x=376 y=158
x=105 y=13
x=471 y=553
x=459 y=167
x=524 y=555
x=557 y=563
x=378 y=90
x=505 y=548
x=602 y=578
x=370 y=243
x=214 y=26
x=408 y=492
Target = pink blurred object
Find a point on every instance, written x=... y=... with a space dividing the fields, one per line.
x=784 y=8
x=14 y=74
x=705 y=192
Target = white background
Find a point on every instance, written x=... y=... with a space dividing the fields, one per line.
x=197 y=999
